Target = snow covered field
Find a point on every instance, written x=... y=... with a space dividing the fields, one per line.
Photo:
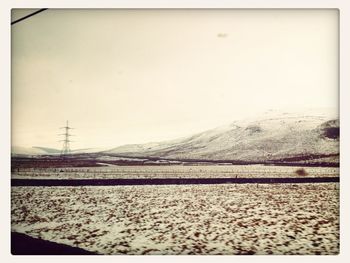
x=183 y=219
x=175 y=171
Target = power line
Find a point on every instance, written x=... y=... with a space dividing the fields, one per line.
x=27 y=16
x=66 y=147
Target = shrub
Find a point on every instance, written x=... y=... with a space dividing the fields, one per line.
x=301 y=172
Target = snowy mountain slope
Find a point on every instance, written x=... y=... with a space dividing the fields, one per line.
x=270 y=137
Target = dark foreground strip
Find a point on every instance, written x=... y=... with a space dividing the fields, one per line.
x=22 y=244
x=164 y=181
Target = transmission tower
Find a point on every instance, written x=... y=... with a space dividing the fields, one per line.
x=66 y=147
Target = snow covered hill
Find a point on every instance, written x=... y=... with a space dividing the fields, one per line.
x=273 y=136
x=31 y=151
x=270 y=137
x=34 y=151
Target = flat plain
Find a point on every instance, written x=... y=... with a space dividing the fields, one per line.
x=171 y=171
x=292 y=219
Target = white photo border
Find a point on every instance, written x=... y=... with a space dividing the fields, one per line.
x=344 y=103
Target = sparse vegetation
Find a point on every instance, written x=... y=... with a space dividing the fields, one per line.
x=301 y=172
x=179 y=171
x=191 y=219
x=187 y=219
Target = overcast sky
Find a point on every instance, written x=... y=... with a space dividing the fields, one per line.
x=133 y=76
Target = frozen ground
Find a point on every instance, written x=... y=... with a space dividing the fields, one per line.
x=175 y=171
x=186 y=219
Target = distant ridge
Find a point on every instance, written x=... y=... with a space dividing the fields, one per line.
x=274 y=136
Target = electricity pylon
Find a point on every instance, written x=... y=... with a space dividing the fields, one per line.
x=66 y=147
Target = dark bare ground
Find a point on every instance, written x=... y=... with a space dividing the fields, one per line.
x=22 y=244
x=167 y=181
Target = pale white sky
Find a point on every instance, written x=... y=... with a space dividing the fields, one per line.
x=133 y=76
